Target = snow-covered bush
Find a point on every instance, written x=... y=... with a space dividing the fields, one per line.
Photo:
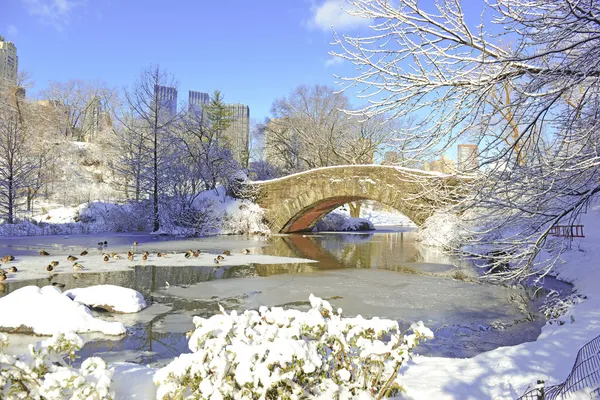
x=201 y=218
x=46 y=373
x=337 y=222
x=243 y=217
x=289 y=354
x=109 y=217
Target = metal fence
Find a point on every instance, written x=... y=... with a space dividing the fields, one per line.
x=584 y=375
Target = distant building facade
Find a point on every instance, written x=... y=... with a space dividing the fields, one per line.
x=443 y=164
x=166 y=97
x=468 y=157
x=238 y=133
x=197 y=101
x=9 y=62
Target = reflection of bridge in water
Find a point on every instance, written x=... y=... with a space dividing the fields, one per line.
x=393 y=251
x=296 y=202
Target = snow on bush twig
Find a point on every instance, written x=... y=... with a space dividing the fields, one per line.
x=285 y=354
x=46 y=373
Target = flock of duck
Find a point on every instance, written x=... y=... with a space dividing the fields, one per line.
x=106 y=257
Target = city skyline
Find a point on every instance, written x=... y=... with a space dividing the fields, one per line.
x=277 y=54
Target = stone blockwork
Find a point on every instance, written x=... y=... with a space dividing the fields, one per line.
x=295 y=203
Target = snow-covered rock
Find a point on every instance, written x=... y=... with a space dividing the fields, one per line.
x=109 y=297
x=46 y=311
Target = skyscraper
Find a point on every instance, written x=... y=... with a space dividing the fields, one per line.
x=197 y=101
x=468 y=157
x=238 y=132
x=167 y=101
x=9 y=62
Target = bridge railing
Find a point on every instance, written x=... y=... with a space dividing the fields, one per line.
x=569 y=231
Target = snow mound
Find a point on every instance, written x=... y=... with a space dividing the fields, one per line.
x=45 y=311
x=109 y=297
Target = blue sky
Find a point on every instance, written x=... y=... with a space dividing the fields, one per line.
x=253 y=51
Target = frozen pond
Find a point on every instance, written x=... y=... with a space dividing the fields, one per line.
x=384 y=273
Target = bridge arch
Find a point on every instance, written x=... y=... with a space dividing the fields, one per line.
x=295 y=203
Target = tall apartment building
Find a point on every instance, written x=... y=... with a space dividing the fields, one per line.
x=238 y=133
x=468 y=155
x=9 y=62
x=197 y=101
x=167 y=100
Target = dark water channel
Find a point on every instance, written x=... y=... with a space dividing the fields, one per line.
x=383 y=273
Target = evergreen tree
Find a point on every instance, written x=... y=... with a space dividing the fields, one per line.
x=219 y=118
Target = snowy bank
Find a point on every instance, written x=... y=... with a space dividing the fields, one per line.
x=212 y=212
x=506 y=372
x=46 y=311
x=109 y=297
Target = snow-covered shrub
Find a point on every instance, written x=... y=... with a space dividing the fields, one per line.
x=338 y=222
x=555 y=306
x=243 y=217
x=108 y=217
x=201 y=218
x=289 y=354
x=442 y=229
x=46 y=373
x=21 y=228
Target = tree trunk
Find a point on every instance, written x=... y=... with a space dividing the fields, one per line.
x=156 y=221
x=10 y=206
x=354 y=209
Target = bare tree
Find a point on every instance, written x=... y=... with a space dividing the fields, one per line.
x=311 y=130
x=16 y=164
x=152 y=120
x=77 y=102
x=205 y=148
x=308 y=124
x=528 y=96
x=131 y=156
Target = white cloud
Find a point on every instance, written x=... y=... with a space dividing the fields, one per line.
x=330 y=62
x=52 y=12
x=332 y=13
x=11 y=31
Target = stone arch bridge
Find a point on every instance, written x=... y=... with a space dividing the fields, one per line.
x=295 y=203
